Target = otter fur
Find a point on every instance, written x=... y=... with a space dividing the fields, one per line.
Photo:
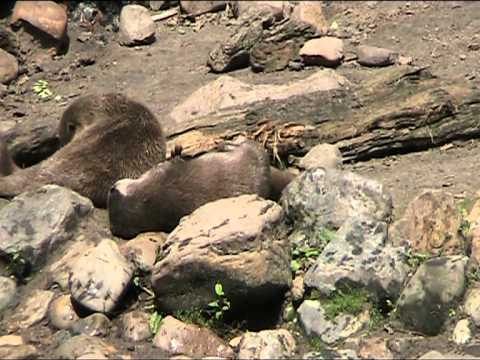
x=163 y=195
x=106 y=138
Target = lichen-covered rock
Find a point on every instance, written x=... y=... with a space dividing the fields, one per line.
x=314 y=321
x=267 y=344
x=34 y=223
x=438 y=284
x=326 y=198
x=236 y=241
x=100 y=277
x=358 y=256
x=431 y=223
x=175 y=338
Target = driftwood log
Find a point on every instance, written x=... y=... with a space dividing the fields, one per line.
x=396 y=110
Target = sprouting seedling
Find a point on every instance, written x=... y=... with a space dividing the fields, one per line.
x=41 y=89
x=221 y=304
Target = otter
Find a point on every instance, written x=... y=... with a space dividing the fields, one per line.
x=105 y=138
x=163 y=195
x=7 y=166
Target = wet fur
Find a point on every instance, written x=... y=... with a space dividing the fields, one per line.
x=172 y=189
x=112 y=138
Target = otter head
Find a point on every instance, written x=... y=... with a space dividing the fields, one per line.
x=145 y=204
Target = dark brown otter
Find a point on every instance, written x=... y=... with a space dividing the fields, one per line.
x=7 y=166
x=163 y=195
x=119 y=138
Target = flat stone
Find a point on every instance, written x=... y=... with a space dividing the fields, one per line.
x=326 y=51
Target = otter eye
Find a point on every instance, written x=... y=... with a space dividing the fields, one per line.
x=71 y=128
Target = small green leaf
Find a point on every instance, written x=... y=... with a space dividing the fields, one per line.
x=219 y=289
x=294 y=265
x=213 y=304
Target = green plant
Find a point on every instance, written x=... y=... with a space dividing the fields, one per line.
x=414 y=259
x=376 y=318
x=350 y=301
x=221 y=304
x=462 y=208
x=302 y=255
x=41 y=89
x=154 y=322
x=17 y=264
x=473 y=275
x=192 y=316
x=316 y=344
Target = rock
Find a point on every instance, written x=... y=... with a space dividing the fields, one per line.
x=136 y=26
x=357 y=256
x=18 y=352
x=471 y=305
x=374 y=348
x=61 y=313
x=322 y=155
x=230 y=241
x=93 y=325
x=311 y=13
x=326 y=198
x=277 y=8
x=59 y=271
x=31 y=310
x=227 y=92
x=279 y=46
x=8 y=67
x=475 y=243
x=175 y=338
x=85 y=347
x=314 y=321
x=34 y=223
x=100 y=277
x=142 y=250
x=326 y=51
x=430 y=224
x=47 y=16
x=426 y=299
x=8 y=289
x=156 y=5
x=375 y=56
x=33 y=139
x=464 y=332
x=195 y=8
x=433 y=355
x=298 y=288
x=135 y=326
x=267 y=344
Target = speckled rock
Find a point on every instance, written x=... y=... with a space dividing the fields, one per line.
x=267 y=344
x=135 y=326
x=100 y=277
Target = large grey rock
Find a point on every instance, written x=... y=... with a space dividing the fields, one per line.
x=236 y=241
x=438 y=284
x=314 y=321
x=100 y=277
x=31 y=310
x=375 y=56
x=227 y=91
x=136 y=26
x=8 y=289
x=85 y=347
x=8 y=67
x=358 y=255
x=35 y=223
x=322 y=155
x=195 y=8
x=326 y=198
x=177 y=338
x=267 y=344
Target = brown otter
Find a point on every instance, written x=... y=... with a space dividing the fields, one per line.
x=159 y=198
x=119 y=138
x=7 y=166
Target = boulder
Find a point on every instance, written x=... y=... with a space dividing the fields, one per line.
x=37 y=222
x=177 y=338
x=438 y=284
x=136 y=26
x=238 y=242
x=431 y=224
x=8 y=67
x=267 y=344
x=100 y=277
x=322 y=155
x=47 y=16
x=326 y=51
x=375 y=57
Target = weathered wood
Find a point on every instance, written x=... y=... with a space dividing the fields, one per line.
x=399 y=109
